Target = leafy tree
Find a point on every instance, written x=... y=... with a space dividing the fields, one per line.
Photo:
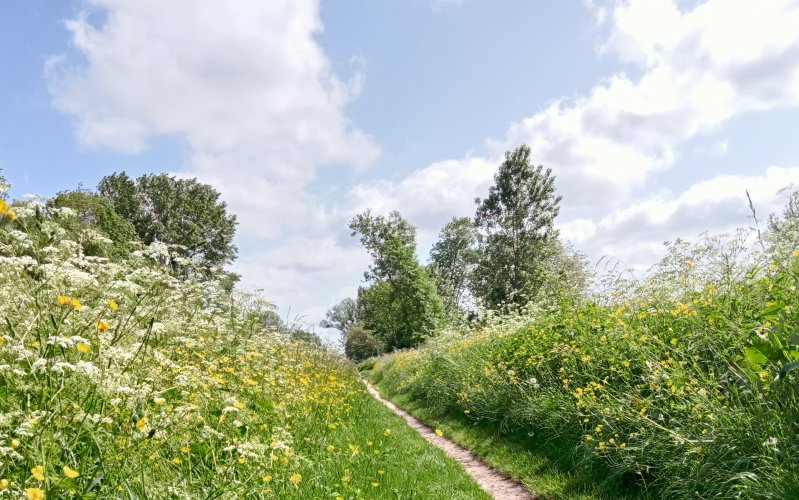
x=341 y=315
x=97 y=211
x=182 y=212
x=452 y=260
x=783 y=230
x=375 y=233
x=402 y=306
x=516 y=220
x=360 y=342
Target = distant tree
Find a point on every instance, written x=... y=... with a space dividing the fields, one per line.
x=402 y=306
x=783 y=230
x=360 y=342
x=452 y=260
x=516 y=222
x=175 y=211
x=4 y=185
x=341 y=315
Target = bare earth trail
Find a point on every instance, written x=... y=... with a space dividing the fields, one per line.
x=498 y=485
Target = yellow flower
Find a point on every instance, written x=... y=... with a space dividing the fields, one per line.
x=76 y=304
x=267 y=478
x=34 y=493
x=177 y=460
x=70 y=472
x=796 y=253
x=102 y=326
x=381 y=472
x=141 y=423
x=439 y=432
x=355 y=449
x=38 y=473
x=295 y=478
x=673 y=341
x=387 y=432
x=159 y=401
x=12 y=215
x=4 y=483
x=375 y=485
x=330 y=448
x=112 y=304
x=83 y=347
x=63 y=300
x=4 y=206
x=239 y=405
x=186 y=449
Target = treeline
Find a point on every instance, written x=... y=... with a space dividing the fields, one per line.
x=503 y=259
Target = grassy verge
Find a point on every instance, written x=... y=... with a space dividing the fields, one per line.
x=543 y=467
x=682 y=386
x=119 y=379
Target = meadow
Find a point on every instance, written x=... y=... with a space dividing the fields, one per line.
x=143 y=376
x=682 y=384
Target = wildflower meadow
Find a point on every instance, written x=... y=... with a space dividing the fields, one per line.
x=121 y=377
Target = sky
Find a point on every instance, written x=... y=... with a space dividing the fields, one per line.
x=656 y=116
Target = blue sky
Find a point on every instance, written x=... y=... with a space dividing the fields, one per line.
x=655 y=115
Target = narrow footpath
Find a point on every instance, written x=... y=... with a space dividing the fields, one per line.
x=498 y=485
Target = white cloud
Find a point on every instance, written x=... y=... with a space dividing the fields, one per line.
x=694 y=70
x=244 y=84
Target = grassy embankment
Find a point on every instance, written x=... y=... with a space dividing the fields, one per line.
x=683 y=386
x=120 y=380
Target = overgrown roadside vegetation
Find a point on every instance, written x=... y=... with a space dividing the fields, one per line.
x=133 y=371
x=682 y=385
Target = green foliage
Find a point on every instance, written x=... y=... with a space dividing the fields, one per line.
x=402 y=306
x=93 y=210
x=684 y=384
x=119 y=379
x=452 y=260
x=361 y=343
x=180 y=212
x=516 y=220
x=783 y=230
x=341 y=315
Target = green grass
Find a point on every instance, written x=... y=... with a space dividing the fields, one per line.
x=543 y=467
x=119 y=379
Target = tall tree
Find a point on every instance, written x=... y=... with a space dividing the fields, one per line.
x=175 y=211
x=452 y=260
x=402 y=306
x=516 y=221
x=341 y=315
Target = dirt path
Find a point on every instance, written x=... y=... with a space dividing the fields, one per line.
x=496 y=484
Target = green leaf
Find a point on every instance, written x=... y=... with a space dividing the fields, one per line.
x=772 y=307
x=794 y=340
x=754 y=357
x=793 y=365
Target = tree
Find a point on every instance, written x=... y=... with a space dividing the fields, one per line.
x=516 y=222
x=452 y=260
x=182 y=212
x=783 y=230
x=97 y=211
x=402 y=306
x=341 y=315
x=360 y=342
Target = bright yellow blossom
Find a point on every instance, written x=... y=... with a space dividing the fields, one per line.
x=12 y=215
x=295 y=478
x=4 y=207
x=63 y=300
x=112 y=304
x=4 y=483
x=76 y=304
x=34 y=493
x=102 y=326
x=38 y=473
x=70 y=472
x=267 y=478
x=439 y=432
x=83 y=347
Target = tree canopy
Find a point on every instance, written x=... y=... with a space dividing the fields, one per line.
x=181 y=212
x=516 y=220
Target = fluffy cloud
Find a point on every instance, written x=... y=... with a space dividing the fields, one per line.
x=243 y=83
x=688 y=73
